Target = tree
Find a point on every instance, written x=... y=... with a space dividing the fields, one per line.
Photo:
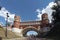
x=56 y=14
x=55 y=31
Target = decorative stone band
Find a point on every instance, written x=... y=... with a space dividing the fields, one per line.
x=17 y=20
x=45 y=19
x=17 y=31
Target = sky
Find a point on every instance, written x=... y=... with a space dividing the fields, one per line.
x=26 y=9
x=31 y=33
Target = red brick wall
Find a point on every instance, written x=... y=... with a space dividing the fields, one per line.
x=44 y=16
x=17 y=21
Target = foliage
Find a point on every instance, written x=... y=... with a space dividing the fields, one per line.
x=56 y=14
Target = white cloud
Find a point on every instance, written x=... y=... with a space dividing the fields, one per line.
x=39 y=14
x=3 y=14
x=47 y=10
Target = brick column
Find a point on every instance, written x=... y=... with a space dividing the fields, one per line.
x=45 y=19
x=44 y=16
x=16 y=21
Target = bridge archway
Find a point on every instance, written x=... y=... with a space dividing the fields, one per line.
x=24 y=32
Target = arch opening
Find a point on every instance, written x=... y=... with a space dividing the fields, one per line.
x=30 y=32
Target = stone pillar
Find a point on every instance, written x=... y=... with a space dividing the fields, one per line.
x=17 y=21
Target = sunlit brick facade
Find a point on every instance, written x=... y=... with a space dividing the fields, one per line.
x=17 y=21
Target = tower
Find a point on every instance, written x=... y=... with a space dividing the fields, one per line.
x=16 y=21
x=45 y=18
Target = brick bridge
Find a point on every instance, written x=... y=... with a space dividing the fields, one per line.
x=29 y=25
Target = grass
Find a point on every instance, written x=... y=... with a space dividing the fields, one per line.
x=1 y=29
x=10 y=34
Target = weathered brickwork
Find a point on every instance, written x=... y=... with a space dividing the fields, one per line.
x=17 y=21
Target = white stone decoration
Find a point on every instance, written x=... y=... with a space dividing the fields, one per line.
x=17 y=31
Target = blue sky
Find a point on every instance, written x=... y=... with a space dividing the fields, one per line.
x=31 y=33
x=26 y=9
